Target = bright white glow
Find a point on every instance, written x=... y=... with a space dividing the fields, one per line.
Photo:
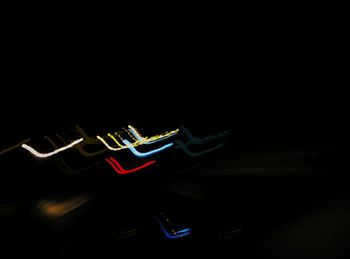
x=45 y=155
x=139 y=154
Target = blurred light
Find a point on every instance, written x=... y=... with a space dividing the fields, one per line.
x=173 y=234
x=55 y=208
x=14 y=147
x=195 y=140
x=45 y=155
x=154 y=139
x=120 y=170
x=82 y=151
x=116 y=141
x=88 y=139
x=182 y=146
x=108 y=146
x=146 y=154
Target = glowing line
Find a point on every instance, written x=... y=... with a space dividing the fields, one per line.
x=195 y=140
x=139 y=154
x=154 y=139
x=134 y=169
x=115 y=140
x=121 y=147
x=120 y=170
x=43 y=155
x=14 y=147
x=196 y=154
x=171 y=228
x=107 y=145
x=178 y=234
x=129 y=134
x=136 y=134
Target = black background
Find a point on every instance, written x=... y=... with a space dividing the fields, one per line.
x=276 y=86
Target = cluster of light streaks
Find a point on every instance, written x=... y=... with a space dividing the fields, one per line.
x=183 y=146
x=46 y=155
x=120 y=146
x=195 y=140
x=4 y=151
x=120 y=170
x=136 y=136
x=138 y=139
x=174 y=234
x=154 y=139
x=146 y=154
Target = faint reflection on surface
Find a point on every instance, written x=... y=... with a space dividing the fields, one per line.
x=56 y=208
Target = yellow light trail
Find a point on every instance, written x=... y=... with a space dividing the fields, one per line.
x=121 y=147
x=107 y=145
x=115 y=140
x=156 y=138
x=141 y=140
x=45 y=155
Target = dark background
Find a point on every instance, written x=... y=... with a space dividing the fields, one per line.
x=275 y=87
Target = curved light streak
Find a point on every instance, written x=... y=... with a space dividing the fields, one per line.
x=146 y=154
x=2 y=152
x=120 y=170
x=115 y=140
x=195 y=140
x=181 y=145
x=107 y=145
x=174 y=234
x=45 y=155
x=154 y=139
